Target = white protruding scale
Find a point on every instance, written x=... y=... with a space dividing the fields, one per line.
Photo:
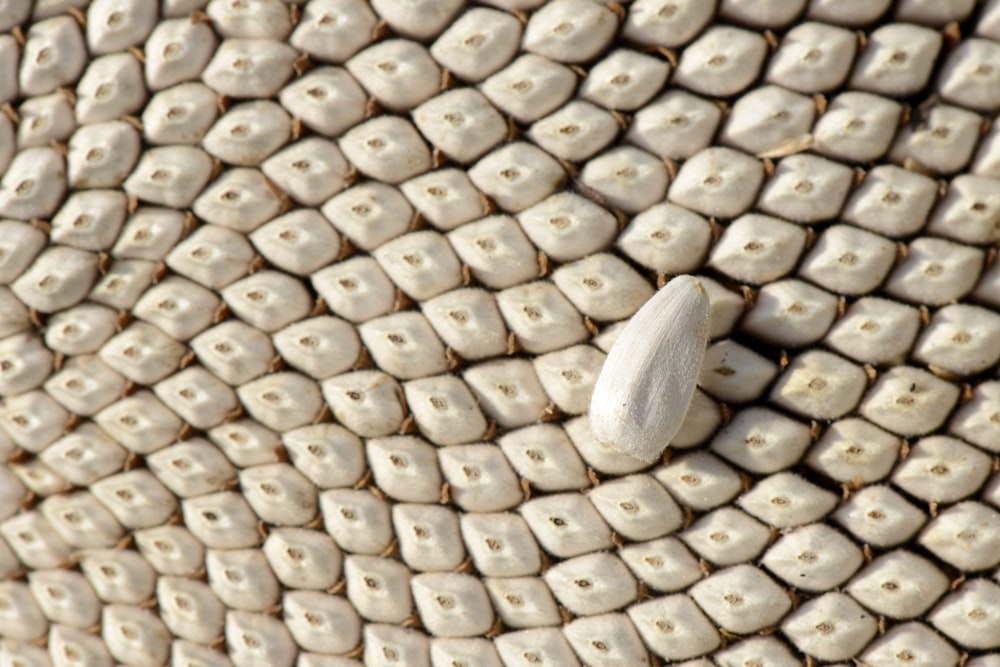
x=648 y=379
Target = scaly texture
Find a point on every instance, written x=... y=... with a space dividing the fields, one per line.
x=302 y=306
